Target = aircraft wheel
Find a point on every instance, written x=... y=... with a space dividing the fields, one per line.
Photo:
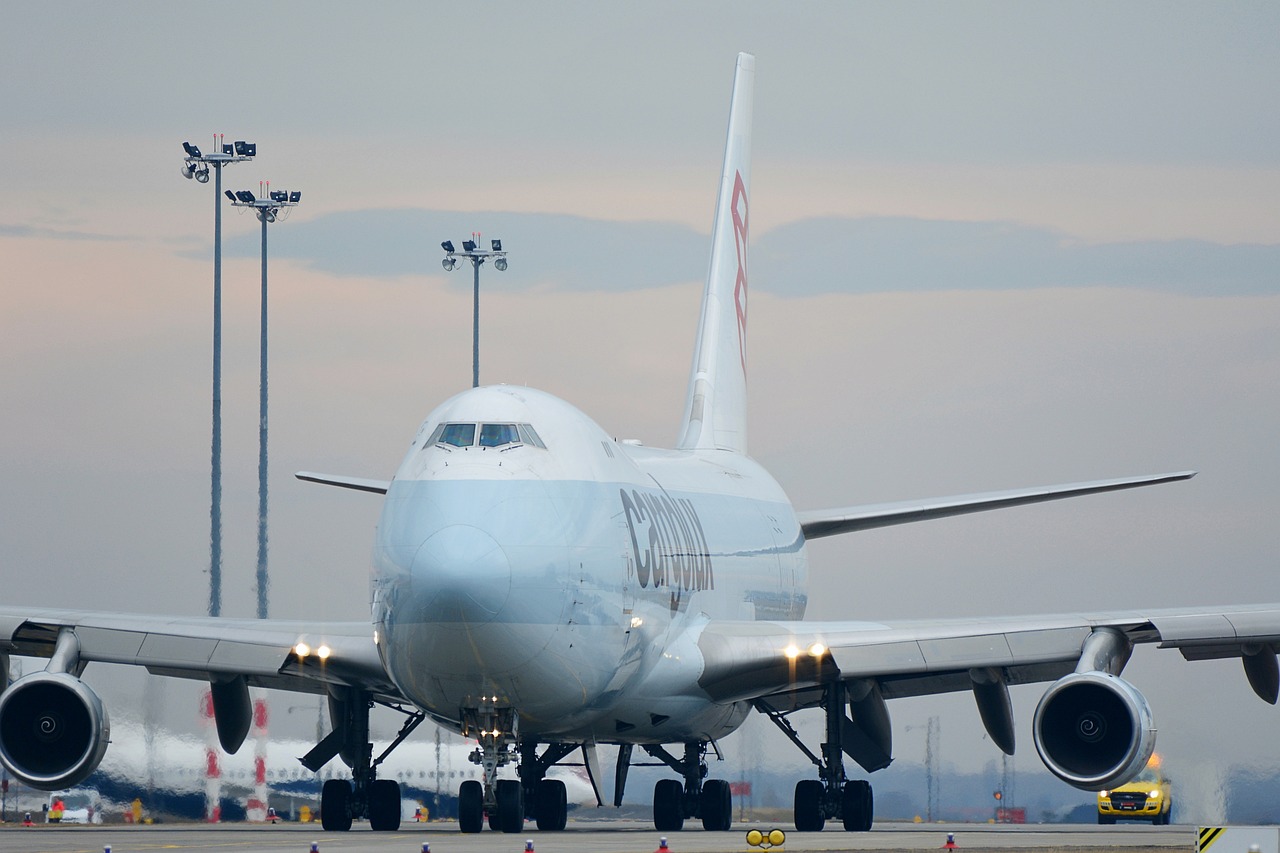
x=857 y=806
x=809 y=814
x=551 y=806
x=384 y=805
x=510 y=795
x=668 y=806
x=717 y=805
x=471 y=806
x=335 y=805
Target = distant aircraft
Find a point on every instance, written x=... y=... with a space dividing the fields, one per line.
x=545 y=588
x=171 y=775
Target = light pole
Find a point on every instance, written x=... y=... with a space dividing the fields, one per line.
x=197 y=166
x=268 y=210
x=477 y=257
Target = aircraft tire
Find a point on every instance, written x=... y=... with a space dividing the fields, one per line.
x=857 y=806
x=809 y=815
x=717 y=805
x=335 y=805
x=551 y=806
x=384 y=805
x=471 y=806
x=668 y=806
x=510 y=795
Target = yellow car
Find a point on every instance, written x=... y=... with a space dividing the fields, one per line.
x=1145 y=798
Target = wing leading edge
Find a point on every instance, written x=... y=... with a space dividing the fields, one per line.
x=829 y=522
x=263 y=652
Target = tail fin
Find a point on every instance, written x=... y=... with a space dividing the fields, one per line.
x=715 y=412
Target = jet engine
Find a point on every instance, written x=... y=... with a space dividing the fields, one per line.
x=53 y=730
x=1093 y=730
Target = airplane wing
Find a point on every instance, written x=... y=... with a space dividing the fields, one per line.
x=265 y=652
x=360 y=484
x=829 y=522
x=785 y=666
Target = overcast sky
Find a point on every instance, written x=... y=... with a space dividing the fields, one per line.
x=995 y=245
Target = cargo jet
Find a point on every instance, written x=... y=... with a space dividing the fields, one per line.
x=544 y=588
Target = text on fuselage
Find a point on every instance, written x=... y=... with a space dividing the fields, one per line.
x=667 y=541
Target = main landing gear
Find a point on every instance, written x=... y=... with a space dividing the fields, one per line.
x=365 y=796
x=831 y=795
x=696 y=797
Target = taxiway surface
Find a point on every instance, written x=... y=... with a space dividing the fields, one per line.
x=585 y=837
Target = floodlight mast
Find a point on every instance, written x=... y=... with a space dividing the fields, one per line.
x=268 y=209
x=197 y=166
x=477 y=256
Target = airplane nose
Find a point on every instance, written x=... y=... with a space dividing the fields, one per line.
x=464 y=574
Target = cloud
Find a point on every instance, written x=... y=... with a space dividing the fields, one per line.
x=31 y=231
x=813 y=256
x=566 y=253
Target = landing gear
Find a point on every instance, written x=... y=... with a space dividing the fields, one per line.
x=509 y=815
x=551 y=806
x=335 y=805
x=471 y=806
x=716 y=804
x=697 y=797
x=831 y=795
x=668 y=806
x=365 y=796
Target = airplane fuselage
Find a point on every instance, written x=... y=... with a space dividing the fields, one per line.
x=570 y=580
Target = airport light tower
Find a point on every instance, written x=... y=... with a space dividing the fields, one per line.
x=197 y=165
x=274 y=205
x=477 y=256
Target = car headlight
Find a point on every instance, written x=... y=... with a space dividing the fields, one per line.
x=1154 y=793
x=1104 y=794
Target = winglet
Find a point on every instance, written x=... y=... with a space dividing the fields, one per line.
x=715 y=408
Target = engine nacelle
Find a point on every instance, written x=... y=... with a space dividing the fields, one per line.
x=1094 y=730
x=53 y=730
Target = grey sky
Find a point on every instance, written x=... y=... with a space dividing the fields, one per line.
x=995 y=245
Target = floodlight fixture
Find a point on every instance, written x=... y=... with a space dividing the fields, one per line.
x=295 y=197
x=197 y=166
x=229 y=194
x=477 y=256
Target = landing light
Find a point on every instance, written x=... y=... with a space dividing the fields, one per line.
x=323 y=652
x=817 y=650
x=636 y=621
x=792 y=652
x=302 y=650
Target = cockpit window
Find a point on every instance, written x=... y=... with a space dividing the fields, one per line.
x=458 y=435
x=529 y=436
x=496 y=435
x=490 y=435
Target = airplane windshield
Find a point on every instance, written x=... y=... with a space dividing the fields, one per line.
x=496 y=435
x=490 y=435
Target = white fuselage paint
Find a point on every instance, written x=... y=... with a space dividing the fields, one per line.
x=572 y=582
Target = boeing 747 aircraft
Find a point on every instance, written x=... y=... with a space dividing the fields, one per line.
x=543 y=588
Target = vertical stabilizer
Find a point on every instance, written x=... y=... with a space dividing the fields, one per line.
x=715 y=412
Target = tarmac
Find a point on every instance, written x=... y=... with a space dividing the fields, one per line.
x=587 y=837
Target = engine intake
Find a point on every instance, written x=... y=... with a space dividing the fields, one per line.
x=53 y=730
x=1094 y=730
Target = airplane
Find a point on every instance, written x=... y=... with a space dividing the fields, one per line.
x=544 y=588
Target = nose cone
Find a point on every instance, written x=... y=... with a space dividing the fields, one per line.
x=463 y=574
